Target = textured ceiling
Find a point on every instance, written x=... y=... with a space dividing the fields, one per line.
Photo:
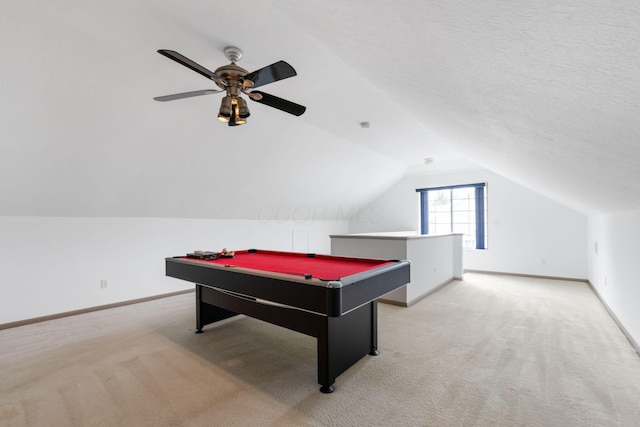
x=545 y=93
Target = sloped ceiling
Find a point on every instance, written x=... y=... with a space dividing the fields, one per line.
x=544 y=93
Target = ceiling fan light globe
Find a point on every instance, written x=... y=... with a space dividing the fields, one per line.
x=243 y=109
x=236 y=117
x=225 y=109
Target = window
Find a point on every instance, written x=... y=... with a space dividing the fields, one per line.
x=456 y=209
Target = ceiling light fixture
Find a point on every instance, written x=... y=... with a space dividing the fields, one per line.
x=243 y=109
x=224 y=114
x=233 y=110
x=236 y=119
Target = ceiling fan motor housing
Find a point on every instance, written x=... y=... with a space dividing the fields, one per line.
x=232 y=73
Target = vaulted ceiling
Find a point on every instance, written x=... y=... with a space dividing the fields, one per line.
x=545 y=93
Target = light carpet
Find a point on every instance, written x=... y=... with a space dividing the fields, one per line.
x=490 y=350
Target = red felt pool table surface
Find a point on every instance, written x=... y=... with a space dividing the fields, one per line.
x=323 y=267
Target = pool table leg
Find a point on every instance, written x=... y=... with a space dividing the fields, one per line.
x=374 y=329
x=343 y=341
x=206 y=312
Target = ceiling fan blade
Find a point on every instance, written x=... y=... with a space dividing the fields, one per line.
x=271 y=73
x=186 y=95
x=279 y=103
x=181 y=59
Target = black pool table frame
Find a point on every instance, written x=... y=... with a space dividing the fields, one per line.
x=342 y=314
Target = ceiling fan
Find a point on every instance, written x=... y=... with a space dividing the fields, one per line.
x=235 y=80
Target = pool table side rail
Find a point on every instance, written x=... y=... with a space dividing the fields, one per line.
x=361 y=288
x=240 y=280
x=330 y=298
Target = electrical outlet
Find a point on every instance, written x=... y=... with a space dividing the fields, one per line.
x=103 y=284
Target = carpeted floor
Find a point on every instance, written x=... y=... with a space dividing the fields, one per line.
x=487 y=351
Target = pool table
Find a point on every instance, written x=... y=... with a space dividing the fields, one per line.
x=332 y=298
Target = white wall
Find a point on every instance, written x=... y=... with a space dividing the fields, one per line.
x=53 y=265
x=527 y=232
x=613 y=269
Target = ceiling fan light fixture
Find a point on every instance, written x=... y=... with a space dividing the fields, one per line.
x=225 y=112
x=243 y=109
x=236 y=119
